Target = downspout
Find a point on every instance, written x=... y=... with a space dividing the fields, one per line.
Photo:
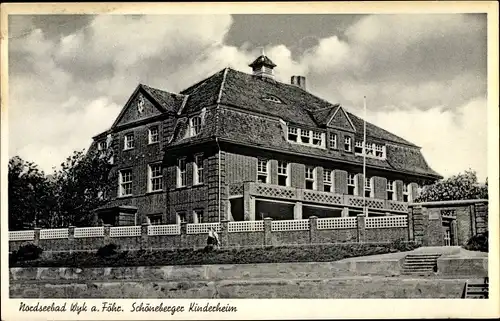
x=220 y=181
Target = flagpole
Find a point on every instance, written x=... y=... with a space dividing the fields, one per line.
x=364 y=158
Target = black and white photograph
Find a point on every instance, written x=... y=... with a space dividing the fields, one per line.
x=170 y=162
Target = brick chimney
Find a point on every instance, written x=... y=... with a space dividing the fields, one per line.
x=299 y=81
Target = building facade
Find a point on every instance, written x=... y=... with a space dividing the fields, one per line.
x=239 y=146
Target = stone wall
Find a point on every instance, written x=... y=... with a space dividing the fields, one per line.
x=270 y=235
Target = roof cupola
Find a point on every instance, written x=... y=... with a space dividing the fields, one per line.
x=263 y=66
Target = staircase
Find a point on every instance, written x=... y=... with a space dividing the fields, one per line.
x=420 y=264
x=476 y=289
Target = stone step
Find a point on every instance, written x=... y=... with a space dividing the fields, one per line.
x=419 y=263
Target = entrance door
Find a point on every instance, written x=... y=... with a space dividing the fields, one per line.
x=448 y=240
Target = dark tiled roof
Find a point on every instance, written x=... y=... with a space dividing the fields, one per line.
x=298 y=106
x=261 y=131
x=264 y=61
x=170 y=101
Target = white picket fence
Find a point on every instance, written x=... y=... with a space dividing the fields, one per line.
x=246 y=226
x=21 y=235
x=387 y=221
x=290 y=225
x=82 y=232
x=202 y=228
x=334 y=223
x=124 y=231
x=172 y=229
x=395 y=221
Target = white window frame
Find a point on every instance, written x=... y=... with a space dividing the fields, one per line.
x=308 y=136
x=195 y=128
x=333 y=142
x=351 y=180
x=198 y=178
x=406 y=192
x=317 y=138
x=181 y=217
x=153 y=222
x=151 y=136
x=368 y=184
x=293 y=131
x=155 y=177
x=358 y=144
x=181 y=174
x=348 y=143
x=310 y=176
x=122 y=182
x=127 y=141
x=284 y=171
x=378 y=148
x=390 y=188
x=197 y=213
x=328 y=178
x=369 y=150
x=101 y=146
x=260 y=171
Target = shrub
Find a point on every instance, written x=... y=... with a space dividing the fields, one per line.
x=27 y=252
x=478 y=242
x=107 y=250
x=401 y=245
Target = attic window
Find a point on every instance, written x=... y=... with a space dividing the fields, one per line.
x=292 y=133
x=272 y=99
x=195 y=125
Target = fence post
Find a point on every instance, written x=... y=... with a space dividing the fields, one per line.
x=268 y=237
x=410 y=224
x=184 y=242
x=107 y=228
x=361 y=220
x=313 y=229
x=224 y=231
x=144 y=236
x=71 y=238
x=36 y=240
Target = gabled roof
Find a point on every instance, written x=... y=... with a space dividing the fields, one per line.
x=339 y=119
x=166 y=102
x=298 y=106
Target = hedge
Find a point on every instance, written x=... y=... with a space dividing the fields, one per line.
x=303 y=253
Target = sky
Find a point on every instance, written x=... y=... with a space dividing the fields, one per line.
x=425 y=76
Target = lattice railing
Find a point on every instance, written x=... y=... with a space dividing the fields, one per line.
x=200 y=228
x=449 y=213
x=21 y=235
x=398 y=206
x=290 y=225
x=236 y=189
x=172 y=229
x=337 y=223
x=81 y=232
x=370 y=202
x=124 y=231
x=275 y=191
x=323 y=197
x=246 y=226
x=60 y=233
x=387 y=221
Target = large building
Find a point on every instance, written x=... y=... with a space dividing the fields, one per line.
x=239 y=146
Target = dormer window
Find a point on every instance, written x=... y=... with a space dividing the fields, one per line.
x=317 y=139
x=293 y=134
x=305 y=136
x=379 y=150
x=347 y=144
x=195 y=125
x=369 y=149
x=272 y=99
x=358 y=148
x=333 y=141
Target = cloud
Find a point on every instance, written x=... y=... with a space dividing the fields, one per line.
x=421 y=73
x=451 y=141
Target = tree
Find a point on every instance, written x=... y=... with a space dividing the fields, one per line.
x=30 y=195
x=458 y=187
x=80 y=187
